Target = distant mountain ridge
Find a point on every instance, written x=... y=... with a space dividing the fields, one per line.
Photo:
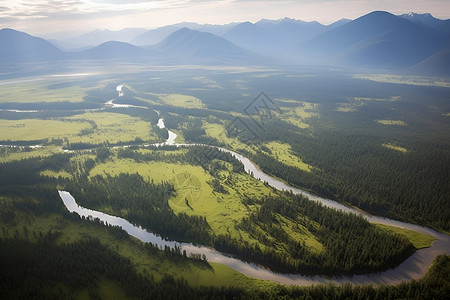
x=429 y=21
x=154 y=36
x=16 y=45
x=376 y=39
x=380 y=40
x=269 y=36
x=97 y=37
x=113 y=49
x=202 y=46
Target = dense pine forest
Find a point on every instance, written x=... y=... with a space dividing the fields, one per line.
x=38 y=264
x=347 y=163
x=351 y=244
x=381 y=147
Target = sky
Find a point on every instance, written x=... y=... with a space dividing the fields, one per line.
x=47 y=18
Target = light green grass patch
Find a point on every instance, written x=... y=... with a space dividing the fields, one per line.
x=39 y=92
x=110 y=289
x=222 y=211
x=218 y=132
x=300 y=233
x=446 y=115
x=34 y=129
x=348 y=107
x=112 y=127
x=196 y=275
x=158 y=171
x=181 y=100
x=209 y=83
x=395 y=147
x=404 y=79
x=283 y=153
x=240 y=84
x=12 y=154
x=392 y=99
x=392 y=122
x=226 y=276
x=54 y=174
x=297 y=116
x=180 y=137
x=147 y=100
x=417 y=239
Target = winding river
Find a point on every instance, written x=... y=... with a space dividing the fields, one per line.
x=413 y=267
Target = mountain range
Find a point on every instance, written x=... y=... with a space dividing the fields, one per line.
x=417 y=42
x=378 y=39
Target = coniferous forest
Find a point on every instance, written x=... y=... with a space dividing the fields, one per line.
x=252 y=177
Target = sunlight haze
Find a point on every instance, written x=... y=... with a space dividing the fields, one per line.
x=54 y=17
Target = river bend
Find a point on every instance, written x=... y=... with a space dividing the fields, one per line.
x=413 y=267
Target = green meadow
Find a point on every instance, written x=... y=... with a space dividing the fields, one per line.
x=145 y=263
x=417 y=239
x=35 y=129
x=41 y=91
x=332 y=143
x=112 y=128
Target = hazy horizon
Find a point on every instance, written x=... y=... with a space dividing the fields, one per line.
x=56 y=17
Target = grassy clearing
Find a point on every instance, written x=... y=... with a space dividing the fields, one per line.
x=11 y=154
x=113 y=128
x=403 y=79
x=392 y=122
x=218 y=132
x=110 y=289
x=356 y=102
x=348 y=107
x=181 y=100
x=222 y=211
x=300 y=233
x=180 y=137
x=395 y=147
x=195 y=196
x=417 y=239
x=196 y=275
x=209 y=83
x=283 y=153
x=54 y=174
x=158 y=171
x=34 y=129
x=29 y=92
x=240 y=84
x=392 y=99
x=92 y=128
x=299 y=115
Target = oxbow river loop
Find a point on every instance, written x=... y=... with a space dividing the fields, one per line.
x=413 y=267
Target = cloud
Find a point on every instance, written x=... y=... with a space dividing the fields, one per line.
x=52 y=15
x=120 y=1
x=29 y=9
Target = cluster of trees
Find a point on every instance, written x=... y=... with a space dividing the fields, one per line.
x=435 y=285
x=207 y=158
x=46 y=270
x=210 y=159
x=352 y=166
x=351 y=244
x=144 y=203
x=29 y=268
x=52 y=106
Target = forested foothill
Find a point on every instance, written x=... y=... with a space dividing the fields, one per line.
x=42 y=257
x=344 y=236
x=378 y=146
